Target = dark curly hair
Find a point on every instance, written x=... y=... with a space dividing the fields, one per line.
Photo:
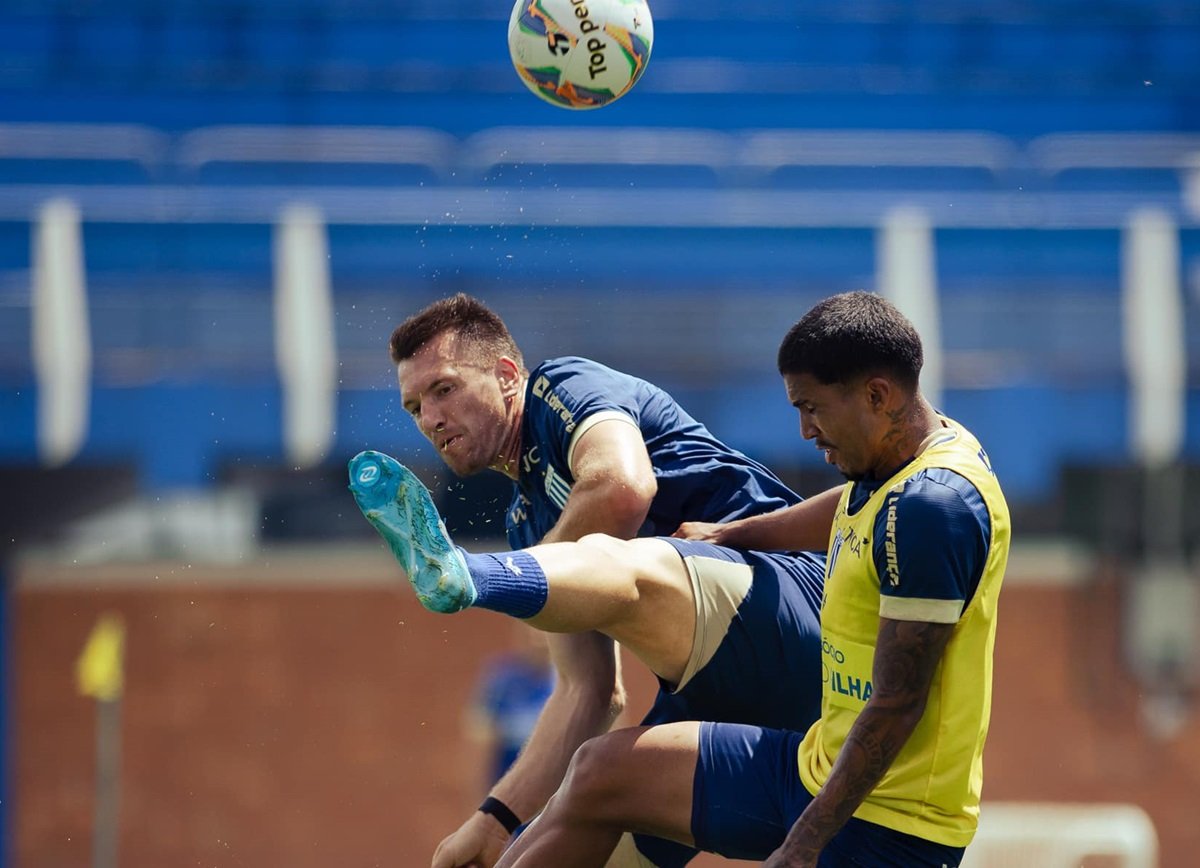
x=851 y=335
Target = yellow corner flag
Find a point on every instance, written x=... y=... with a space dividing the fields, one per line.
x=100 y=669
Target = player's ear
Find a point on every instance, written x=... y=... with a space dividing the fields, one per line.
x=508 y=375
x=880 y=393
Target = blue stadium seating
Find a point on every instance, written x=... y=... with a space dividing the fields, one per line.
x=235 y=101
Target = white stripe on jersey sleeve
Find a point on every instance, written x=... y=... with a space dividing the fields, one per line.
x=910 y=609
x=587 y=423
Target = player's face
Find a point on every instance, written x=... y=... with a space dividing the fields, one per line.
x=839 y=418
x=458 y=402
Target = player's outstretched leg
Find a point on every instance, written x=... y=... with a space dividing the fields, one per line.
x=400 y=508
x=637 y=592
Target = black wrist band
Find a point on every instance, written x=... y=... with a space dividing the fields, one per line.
x=501 y=812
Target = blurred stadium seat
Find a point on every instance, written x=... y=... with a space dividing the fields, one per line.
x=613 y=157
x=77 y=153
x=302 y=156
x=880 y=159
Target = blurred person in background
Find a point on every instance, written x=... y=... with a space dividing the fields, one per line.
x=592 y=450
x=512 y=690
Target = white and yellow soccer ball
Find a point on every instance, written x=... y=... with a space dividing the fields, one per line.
x=580 y=54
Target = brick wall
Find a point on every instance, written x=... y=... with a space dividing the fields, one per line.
x=274 y=717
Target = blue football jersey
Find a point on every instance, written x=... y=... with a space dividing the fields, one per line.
x=699 y=477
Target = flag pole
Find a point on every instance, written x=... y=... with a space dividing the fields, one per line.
x=100 y=674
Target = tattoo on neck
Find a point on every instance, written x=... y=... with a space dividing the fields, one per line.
x=896 y=431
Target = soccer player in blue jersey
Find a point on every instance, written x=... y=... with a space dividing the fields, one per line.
x=891 y=773
x=592 y=450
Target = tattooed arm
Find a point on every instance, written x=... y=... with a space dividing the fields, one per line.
x=906 y=656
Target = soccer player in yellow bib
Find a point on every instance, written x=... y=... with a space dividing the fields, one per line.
x=891 y=773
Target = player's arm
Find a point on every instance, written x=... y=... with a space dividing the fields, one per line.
x=804 y=526
x=586 y=699
x=906 y=655
x=614 y=484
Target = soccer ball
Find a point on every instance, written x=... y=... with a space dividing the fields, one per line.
x=580 y=54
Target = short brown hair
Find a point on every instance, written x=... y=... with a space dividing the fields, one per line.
x=467 y=317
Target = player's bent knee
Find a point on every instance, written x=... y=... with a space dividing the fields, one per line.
x=600 y=778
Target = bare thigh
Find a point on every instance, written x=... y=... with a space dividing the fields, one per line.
x=636 y=591
x=637 y=779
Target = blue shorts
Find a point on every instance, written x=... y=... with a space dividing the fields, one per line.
x=747 y=794
x=766 y=670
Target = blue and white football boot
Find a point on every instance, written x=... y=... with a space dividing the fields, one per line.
x=402 y=510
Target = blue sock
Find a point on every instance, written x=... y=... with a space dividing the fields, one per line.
x=511 y=583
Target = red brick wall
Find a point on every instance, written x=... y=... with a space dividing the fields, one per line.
x=311 y=725
x=1067 y=719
